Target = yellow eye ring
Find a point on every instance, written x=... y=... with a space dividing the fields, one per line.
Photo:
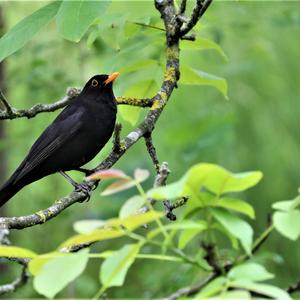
x=94 y=83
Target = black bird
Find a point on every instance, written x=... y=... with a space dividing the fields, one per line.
x=74 y=138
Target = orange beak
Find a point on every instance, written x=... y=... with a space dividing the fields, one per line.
x=111 y=77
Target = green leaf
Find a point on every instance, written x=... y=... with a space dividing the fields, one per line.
x=196 y=77
x=235 y=226
x=234 y=241
x=96 y=235
x=92 y=38
x=23 y=31
x=170 y=191
x=288 y=223
x=264 y=289
x=136 y=66
x=182 y=225
x=113 y=28
x=234 y=295
x=135 y=221
x=236 y=205
x=250 y=271
x=131 y=206
x=213 y=288
x=75 y=17
x=186 y=236
x=87 y=226
x=11 y=251
x=203 y=44
x=57 y=273
x=287 y=205
x=114 y=269
x=219 y=180
x=37 y=263
x=130 y=223
x=204 y=199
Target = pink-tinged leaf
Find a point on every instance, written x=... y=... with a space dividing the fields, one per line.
x=107 y=174
x=118 y=186
x=141 y=175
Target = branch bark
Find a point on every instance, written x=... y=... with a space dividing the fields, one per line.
x=11 y=113
x=198 y=11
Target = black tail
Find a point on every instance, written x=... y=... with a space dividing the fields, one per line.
x=12 y=186
x=8 y=191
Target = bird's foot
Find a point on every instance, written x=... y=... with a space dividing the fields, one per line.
x=95 y=185
x=84 y=188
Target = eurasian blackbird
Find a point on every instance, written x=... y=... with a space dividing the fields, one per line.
x=74 y=138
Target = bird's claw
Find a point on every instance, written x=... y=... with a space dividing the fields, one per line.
x=84 y=188
x=95 y=185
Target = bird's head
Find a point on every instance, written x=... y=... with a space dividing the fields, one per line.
x=99 y=83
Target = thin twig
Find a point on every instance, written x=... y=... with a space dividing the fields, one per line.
x=151 y=150
x=191 y=37
x=148 y=26
x=17 y=283
x=182 y=7
x=191 y=290
x=159 y=180
x=294 y=288
x=6 y=105
x=23 y=278
x=40 y=108
x=198 y=11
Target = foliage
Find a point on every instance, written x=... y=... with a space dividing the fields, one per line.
x=256 y=129
x=73 y=20
x=206 y=186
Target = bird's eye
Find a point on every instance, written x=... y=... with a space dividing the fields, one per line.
x=94 y=83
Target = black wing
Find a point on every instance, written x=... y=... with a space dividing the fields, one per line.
x=64 y=127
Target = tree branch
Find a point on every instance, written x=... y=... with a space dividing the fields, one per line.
x=7 y=107
x=182 y=6
x=152 y=151
x=18 y=282
x=191 y=290
x=117 y=138
x=12 y=113
x=198 y=11
x=23 y=278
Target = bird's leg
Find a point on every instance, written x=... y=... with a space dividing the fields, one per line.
x=85 y=171
x=88 y=173
x=79 y=187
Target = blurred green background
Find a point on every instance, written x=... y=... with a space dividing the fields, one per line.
x=257 y=129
